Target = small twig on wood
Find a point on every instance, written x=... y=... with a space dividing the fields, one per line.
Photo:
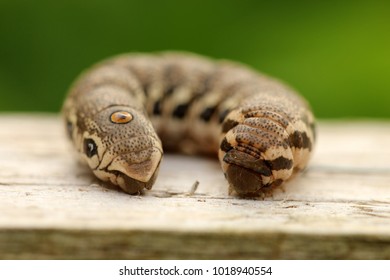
x=193 y=189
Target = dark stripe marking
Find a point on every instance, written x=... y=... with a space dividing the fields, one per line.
x=157 y=108
x=296 y=139
x=280 y=163
x=300 y=140
x=225 y=145
x=228 y=124
x=306 y=141
x=207 y=113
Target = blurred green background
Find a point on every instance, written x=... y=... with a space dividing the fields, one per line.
x=336 y=53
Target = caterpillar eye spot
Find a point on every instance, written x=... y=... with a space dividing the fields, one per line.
x=90 y=147
x=121 y=117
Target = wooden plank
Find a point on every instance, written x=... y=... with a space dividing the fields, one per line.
x=51 y=207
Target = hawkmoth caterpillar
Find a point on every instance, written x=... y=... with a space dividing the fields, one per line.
x=117 y=111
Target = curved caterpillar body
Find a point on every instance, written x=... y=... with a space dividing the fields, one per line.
x=117 y=112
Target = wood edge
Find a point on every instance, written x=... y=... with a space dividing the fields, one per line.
x=139 y=244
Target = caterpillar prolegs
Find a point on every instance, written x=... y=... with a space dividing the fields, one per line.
x=117 y=112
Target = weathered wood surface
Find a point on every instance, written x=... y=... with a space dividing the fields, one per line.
x=50 y=207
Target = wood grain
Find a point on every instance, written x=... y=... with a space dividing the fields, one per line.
x=53 y=208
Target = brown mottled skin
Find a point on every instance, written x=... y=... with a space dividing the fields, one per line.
x=262 y=130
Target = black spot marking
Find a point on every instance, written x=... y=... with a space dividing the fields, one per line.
x=280 y=163
x=157 y=108
x=180 y=111
x=225 y=145
x=228 y=124
x=207 y=113
x=90 y=148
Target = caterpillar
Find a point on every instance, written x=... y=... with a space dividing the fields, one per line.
x=118 y=110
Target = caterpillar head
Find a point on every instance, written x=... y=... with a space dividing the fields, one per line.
x=120 y=146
